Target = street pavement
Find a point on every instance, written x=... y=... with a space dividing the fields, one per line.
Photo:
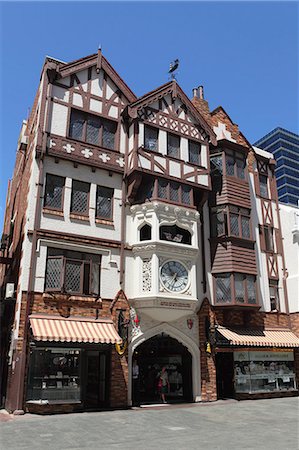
x=223 y=425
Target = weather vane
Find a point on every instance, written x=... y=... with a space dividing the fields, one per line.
x=172 y=69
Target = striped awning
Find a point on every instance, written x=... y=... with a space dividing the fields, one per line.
x=60 y=329
x=260 y=337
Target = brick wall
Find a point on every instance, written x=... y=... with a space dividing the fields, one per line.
x=41 y=304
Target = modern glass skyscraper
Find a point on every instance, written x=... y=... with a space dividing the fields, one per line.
x=285 y=147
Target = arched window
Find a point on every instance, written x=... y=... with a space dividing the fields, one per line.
x=145 y=233
x=176 y=234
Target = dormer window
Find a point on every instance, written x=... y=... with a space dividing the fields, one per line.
x=145 y=233
x=173 y=145
x=151 y=138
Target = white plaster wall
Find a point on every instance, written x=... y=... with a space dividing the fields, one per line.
x=96 y=105
x=97 y=82
x=60 y=93
x=58 y=120
x=184 y=149
x=77 y=99
x=288 y=219
x=84 y=173
x=83 y=77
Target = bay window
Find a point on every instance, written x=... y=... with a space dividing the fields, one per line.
x=231 y=221
x=235 y=288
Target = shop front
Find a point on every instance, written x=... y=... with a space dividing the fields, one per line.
x=255 y=363
x=69 y=364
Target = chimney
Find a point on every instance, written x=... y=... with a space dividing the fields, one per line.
x=200 y=103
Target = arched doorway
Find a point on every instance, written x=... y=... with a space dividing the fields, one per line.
x=156 y=352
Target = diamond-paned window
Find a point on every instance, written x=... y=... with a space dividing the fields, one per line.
x=77 y=125
x=186 y=195
x=80 y=197
x=72 y=277
x=230 y=164
x=251 y=293
x=240 y=163
x=173 y=145
x=109 y=130
x=151 y=138
x=54 y=191
x=264 y=186
x=234 y=224
x=104 y=202
x=53 y=273
x=162 y=189
x=245 y=223
x=223 y=288
x=239 y=287
x=174 y=192
x=72 y=272
x=93 y=130
x=194 y=152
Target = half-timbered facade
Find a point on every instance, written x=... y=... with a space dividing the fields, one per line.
x=138 y=229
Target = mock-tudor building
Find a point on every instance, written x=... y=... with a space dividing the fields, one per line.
x=139 y=229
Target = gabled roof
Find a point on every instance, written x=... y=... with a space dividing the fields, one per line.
x=173 y=88
x=96 y=59
x=233 y=127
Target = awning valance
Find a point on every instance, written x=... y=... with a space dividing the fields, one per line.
x=260 y=337
x=60 y=329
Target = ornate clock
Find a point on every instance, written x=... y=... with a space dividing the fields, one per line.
x=174 y=276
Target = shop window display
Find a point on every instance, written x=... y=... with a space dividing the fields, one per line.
x=54 y=375
x=264 y=372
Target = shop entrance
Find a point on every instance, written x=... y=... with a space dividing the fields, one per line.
x=157 y=352
x=225 y=375
x=96 y=380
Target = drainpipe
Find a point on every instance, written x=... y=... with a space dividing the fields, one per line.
x=32 y=267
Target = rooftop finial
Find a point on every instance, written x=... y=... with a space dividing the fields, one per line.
x=172 y=68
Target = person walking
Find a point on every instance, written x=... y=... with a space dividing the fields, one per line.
x=136 y=384
x=163 y=384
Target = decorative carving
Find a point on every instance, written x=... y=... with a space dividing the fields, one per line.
x=104 y=157
x=87 y=153
x=146 y=275
x=68 y=147
x=135 y=322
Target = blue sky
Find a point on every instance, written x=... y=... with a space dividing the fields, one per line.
x=245 y=55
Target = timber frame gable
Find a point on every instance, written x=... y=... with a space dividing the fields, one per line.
x=169 y=119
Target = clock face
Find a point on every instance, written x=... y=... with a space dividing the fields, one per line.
x=174 y=276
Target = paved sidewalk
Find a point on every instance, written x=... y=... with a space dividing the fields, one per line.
x=231 y=425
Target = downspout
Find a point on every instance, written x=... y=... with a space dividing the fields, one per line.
x=123 y=213
x=32 y=267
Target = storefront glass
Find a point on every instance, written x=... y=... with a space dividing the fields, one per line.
x=264 y=372
x=54 y=375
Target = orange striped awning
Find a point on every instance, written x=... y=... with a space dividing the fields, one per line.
x=260 y=338
x=60 y=329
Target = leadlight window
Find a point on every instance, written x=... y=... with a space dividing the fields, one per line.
x=92 y=129
x=235 y=164
x=223 y=288
x=194 y=152
x=238 y=219
x=54 y=192
x=176 y=234
x=236 y=288
x=216 y=165
x=269 y=242
x=173 y=145
x=104 y=202
x=264 y=186
x=72 y=272
x=274 y=295
x=80 y=197
x=174 y=192
x=151 y=138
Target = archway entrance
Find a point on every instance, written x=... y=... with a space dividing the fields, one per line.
x=155 y=353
